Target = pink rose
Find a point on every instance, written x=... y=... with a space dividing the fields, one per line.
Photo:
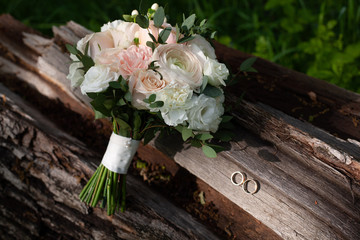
x=125 y=61
x=142 y=84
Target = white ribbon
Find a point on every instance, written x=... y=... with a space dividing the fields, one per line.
x=119 y=153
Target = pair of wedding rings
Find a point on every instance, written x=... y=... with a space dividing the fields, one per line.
x=244 y=182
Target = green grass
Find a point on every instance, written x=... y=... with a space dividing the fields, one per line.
x=320 y=38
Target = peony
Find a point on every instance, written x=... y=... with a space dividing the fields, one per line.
x=217 y=72
x=97 y=79
x=76 y=74
x=204 y=113
x=175 y=98
x=181 y=64
x=142 y=84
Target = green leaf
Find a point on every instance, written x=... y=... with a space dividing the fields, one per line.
x=121 y=102
x=108 y=103
x=99 y=114
x=203 y=22
x=145 y=100
x=164 y=34
x=188 y=22
x=149 y=135
x=179 y=128
x=212 y=91
x=186 y=39
x=209 y=151
x=159 y=17
x=143 y=21
x=205 y=81
x=196 y=143
x=72 y=49
x=152 y=37
x=204 y=136
x=152 y=45
x=224 y=136
x=128 y=96
x=128 y=18
x=247 y=64
x=213 y=35
x=124 y=127
x=87 y=62
x=225 y=119
x=177 y=32
x=115 y=85
x=186 y=133
x=152 y=97
x=92 y=95
x=157 y=104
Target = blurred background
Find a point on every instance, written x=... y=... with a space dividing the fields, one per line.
x=319 y=38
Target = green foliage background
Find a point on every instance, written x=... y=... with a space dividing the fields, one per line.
x=320 y=38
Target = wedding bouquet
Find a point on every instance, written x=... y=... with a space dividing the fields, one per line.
x=147 y=76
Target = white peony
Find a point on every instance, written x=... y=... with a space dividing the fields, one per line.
x=217 y=72
x=176 y=98
x=97 y=79
x=111 y=25
x=76 y=74
x=180 y=63
x=205 y=113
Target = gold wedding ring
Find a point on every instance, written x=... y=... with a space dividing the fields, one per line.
x=243 y=178
x=245 y=186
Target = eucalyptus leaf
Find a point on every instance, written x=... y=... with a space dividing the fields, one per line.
x=152 y=37
x=152 y=97
x=204 y=136
x=128 y=96
x=209 y=151
x=212 y=91
x=186 y=39
x=157 y=104
x=128 y=18
x=196 y=143
x=151 y=45
x=92 y=95
x=72 y=49
x=188 y=22
x=159 y=17
x=124 y=128
x=205 y=81
x=247 y=64
x=143 y=21
x=225 y=119
x=186 y=133
x=164 y=34
x=115 y=85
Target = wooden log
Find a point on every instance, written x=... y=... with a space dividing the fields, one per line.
x=42 y=171
x=303 y=194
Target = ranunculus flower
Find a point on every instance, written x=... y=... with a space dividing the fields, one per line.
x=201 y=48
x=180 y=63
x=97 y=79
x=205 y=113
x=217 y=72
x=76 y=74
x=143 y=83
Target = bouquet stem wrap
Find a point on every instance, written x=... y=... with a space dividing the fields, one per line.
x=119 y=153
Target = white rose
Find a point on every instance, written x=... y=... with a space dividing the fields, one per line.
x=201 y=48
x=76 y=74
x=175 y=98
x=124 y=34
x=217 y=72
x=97 y=42
x=111 y=25
x=180 y=63
x=97 y=79
x=205 y=113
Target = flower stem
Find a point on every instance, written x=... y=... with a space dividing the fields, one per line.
x=123 y=194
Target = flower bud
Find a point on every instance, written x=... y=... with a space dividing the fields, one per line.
x=155 y=6
x=134 y=13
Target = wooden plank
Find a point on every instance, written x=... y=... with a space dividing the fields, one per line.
x=42 y=171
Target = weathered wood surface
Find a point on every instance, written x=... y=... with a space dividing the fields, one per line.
x=309 y=178
x=42 y=171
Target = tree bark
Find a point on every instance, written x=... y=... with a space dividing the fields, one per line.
x=42 y=171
